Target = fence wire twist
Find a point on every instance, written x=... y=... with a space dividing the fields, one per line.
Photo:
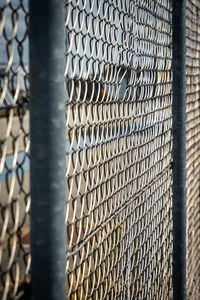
x=193 y=147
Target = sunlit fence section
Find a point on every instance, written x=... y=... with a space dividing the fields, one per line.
x=118 y=115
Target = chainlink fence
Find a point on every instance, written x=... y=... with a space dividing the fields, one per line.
x=193 y=147
x=118 y=149
x=14 y=148
x=118 y=163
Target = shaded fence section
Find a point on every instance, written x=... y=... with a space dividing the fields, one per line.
x=193 y=147
x=118 y=95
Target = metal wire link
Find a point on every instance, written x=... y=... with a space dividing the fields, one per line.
x=118 y=116
x=14 y=148
x=192 y=147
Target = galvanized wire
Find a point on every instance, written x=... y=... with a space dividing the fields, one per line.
x=118 y=149
x=193 y=147
x=14 y=148
x=118 y=116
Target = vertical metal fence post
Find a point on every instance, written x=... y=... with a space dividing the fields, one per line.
x=47 y=121
x=179 y=149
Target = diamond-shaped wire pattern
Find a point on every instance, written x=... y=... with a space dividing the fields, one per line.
x=14 y=148
x=118 y=149
x=119 y=199
x=193 y=147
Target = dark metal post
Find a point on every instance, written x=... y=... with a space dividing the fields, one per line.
x=47 y=121
x=179 y=149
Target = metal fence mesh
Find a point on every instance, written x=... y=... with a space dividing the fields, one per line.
x=14 y=148
x=118 y=149
x=119 y=85
x=193 y=147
